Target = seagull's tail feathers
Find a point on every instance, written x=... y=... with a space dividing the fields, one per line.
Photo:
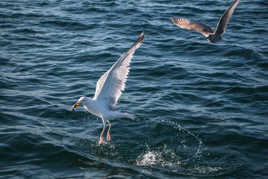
x=125 y=115
x=130 y=116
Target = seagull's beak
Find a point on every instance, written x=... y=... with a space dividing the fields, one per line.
x=75 y=105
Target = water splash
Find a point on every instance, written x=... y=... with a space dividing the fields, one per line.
x=187 y=146
x=163 y=158
x=187 y=157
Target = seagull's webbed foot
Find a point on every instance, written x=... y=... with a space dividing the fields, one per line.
x=101 y=140
x=108 y=137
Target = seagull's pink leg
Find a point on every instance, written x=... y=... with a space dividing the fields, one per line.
x=102 y=132
x=108 y=137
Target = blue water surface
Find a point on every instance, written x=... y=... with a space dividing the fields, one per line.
x=201 y=108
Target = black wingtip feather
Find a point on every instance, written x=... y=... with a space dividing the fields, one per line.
x=141 y=37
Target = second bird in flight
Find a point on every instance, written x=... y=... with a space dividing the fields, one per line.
x=211 y=35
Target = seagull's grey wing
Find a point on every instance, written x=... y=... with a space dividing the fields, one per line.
x=111 y=84
x=192 y=25
x=222 y=24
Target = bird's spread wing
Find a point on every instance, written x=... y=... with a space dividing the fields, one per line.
x=222 y=24
x=192 y=25
x=111 y=84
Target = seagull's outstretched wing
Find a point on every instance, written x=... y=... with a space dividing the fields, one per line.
x=111 y=84
x=222 y=24
x=192 y=25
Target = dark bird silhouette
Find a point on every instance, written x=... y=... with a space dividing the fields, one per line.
x=211 y=35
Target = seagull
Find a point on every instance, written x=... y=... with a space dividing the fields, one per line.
x=108 y=90
x=211 y=35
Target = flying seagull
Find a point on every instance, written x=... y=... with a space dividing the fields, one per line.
x=211 y=35
x=108 y=90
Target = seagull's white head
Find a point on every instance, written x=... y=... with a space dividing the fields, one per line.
x=79 y=102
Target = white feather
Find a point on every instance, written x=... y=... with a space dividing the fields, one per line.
x=111 y=84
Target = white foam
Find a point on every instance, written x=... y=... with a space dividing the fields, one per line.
x=148 y=159
x=156 y=158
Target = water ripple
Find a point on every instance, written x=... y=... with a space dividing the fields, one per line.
x=201 y=108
